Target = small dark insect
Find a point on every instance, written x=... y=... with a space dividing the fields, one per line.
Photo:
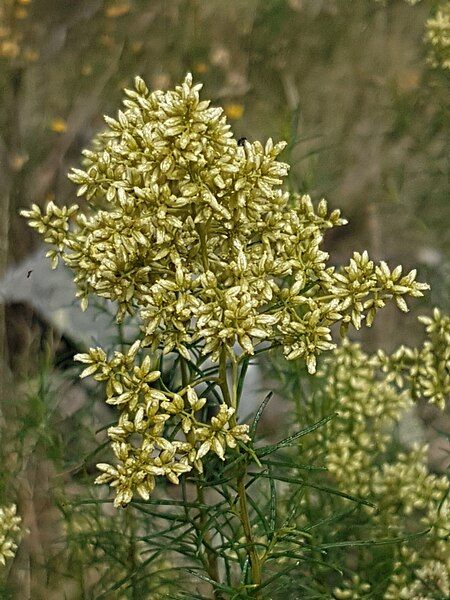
x=241 y=141
x=29 y=273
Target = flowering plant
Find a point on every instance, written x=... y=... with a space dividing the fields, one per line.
x=370 y=395
x=10 y=532
x=189 y=231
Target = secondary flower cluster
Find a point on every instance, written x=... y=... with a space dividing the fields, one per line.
x=154 y=416
x=189 y=229
x=9 y=532
x=370 y=395
x=438 y=36
x=367 y=406
x=425 y=370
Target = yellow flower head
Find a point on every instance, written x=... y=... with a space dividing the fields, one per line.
x=58 y=125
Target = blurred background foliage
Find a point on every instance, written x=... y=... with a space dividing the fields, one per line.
x=347 y=83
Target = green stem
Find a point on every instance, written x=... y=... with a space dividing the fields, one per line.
x=184 y=372
x=202 y=380
x=211 y=565
x=245 y=520
x=231 y=398
x=223 y=377
x=130 y=527
x=211 y=556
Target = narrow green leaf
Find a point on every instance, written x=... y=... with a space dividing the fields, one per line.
x=273 y=503
x=323 y=488
x=289 y=441
x=331 y=519
x=215 y=584
x=258 y=415
x=241 y=379
x=382 y=542
x=290 y=464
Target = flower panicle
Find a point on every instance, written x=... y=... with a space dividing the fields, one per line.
x=10 y=532
x=192 y=233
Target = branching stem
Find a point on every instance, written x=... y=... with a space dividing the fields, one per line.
x=211 y=556
x=231 y=398
x=211 y=563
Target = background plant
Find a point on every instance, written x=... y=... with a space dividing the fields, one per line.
x=363 y=456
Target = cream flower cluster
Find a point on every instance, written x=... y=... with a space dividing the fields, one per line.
x=438 y=36
x=370 y=394
x=430 y=579
x=145 y=415
x=367 y=407
x=425 y=370
x=9 y=532
x=422 y=572
x=190 y=230
x=353 y=589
